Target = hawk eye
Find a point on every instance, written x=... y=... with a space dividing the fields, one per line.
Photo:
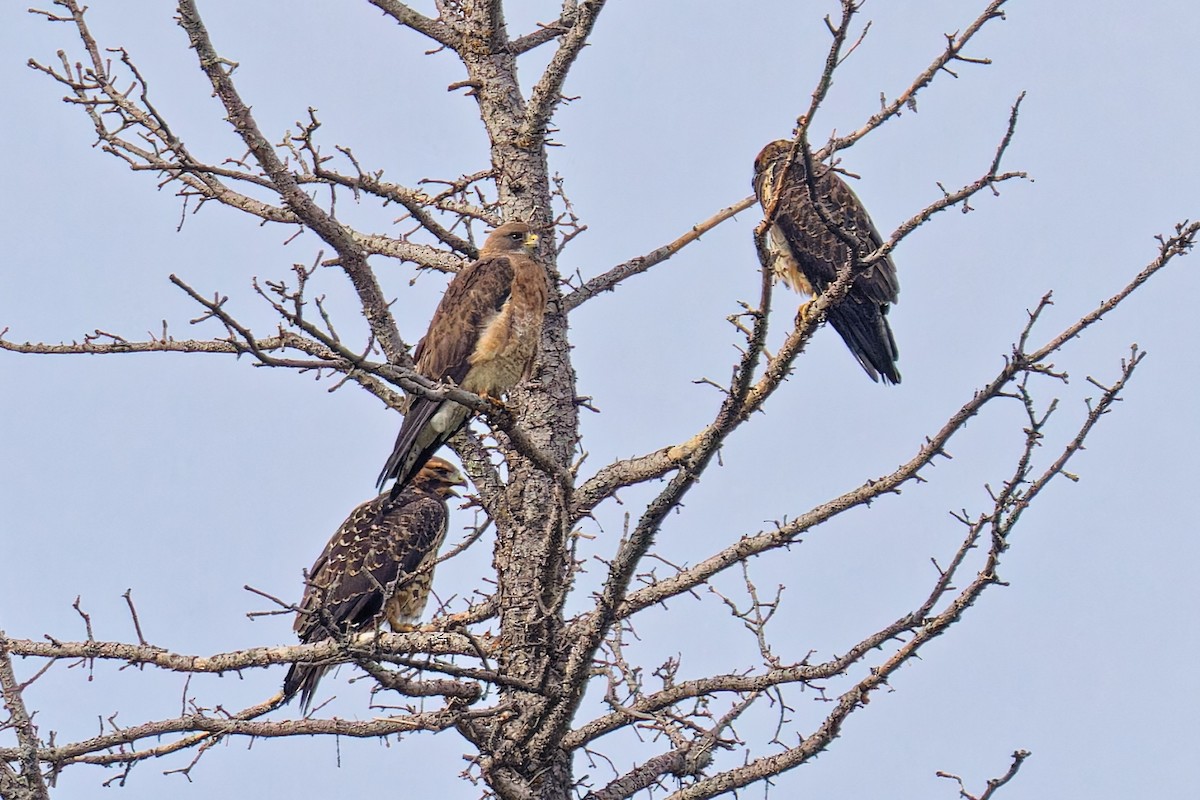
x=515 y=236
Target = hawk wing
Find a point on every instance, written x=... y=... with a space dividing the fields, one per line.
x=810 y=254
x=382 y=552
x=472 y=300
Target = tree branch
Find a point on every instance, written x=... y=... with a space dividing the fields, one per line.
x=907 y=99
x=81 y=752
x=1018 y=758
x=30 y=784
x=370 y=646
x=1008 y=507
x=437 y=30
x=546 y=33
x=547 y=94
x=636 y=266
x=352 y=258
x=93 y=89
x=587 y=632
x=1020 y=363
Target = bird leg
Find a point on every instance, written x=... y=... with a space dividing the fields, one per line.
x=447 y=623
x=805 y=314
x=498 y=403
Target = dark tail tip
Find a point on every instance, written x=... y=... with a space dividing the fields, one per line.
x=302 y=679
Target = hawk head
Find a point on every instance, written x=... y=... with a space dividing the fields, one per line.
x=440 y=477
x=773 y=151
x=511 y=237
x=767 y=162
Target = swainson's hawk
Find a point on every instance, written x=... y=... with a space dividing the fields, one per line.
x=377 y=567
x=808 y=254
x=483 y=338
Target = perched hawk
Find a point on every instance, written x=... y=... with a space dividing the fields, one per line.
x=483 y=338
x=377 y=567
x=808 y=254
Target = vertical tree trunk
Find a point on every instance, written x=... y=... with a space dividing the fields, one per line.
x=530 y=555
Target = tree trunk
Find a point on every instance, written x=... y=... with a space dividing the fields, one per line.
x=531 y=533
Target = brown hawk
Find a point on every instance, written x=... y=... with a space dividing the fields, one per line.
x=377 y=567
x=483 y=338
x=808 y=254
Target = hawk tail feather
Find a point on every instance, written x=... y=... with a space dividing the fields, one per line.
x=869 y=337
x=303 y=679
x=420 y=438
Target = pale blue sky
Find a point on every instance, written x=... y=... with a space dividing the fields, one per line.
x=184 y=478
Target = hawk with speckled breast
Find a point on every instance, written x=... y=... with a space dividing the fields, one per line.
x=808 y=253
x=377 y=568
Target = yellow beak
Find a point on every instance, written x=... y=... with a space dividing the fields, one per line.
x=531 y=240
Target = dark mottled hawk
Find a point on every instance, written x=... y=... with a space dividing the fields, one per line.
x=377 y=567
x=808 y=254
x=483 y=338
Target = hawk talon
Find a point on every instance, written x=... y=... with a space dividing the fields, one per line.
x=805 y=314
x=498 y=403
x=447 y=623
x=470 y=501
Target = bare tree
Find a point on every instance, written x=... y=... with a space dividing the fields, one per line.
x=566 y=608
